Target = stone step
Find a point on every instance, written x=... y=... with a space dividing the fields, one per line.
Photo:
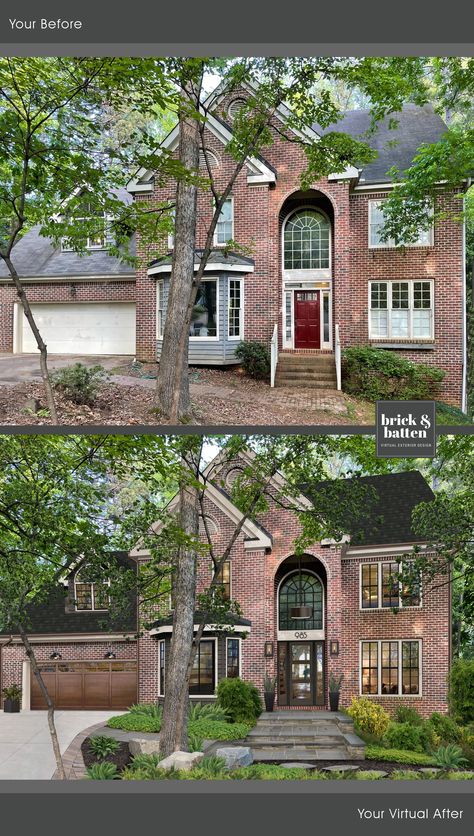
x=292 y=754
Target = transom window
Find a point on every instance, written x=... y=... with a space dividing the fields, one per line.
x=90 y=595
x=391 y=667
x=401 y=310
x=306 y=241
x=293 y=594
x=376 y=222
x=225 y=224
x=388 y=585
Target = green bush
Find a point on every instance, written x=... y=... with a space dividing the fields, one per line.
x=218 y=730
x=134 y=722
x=369 y=716
x=208 y=711
x=255 y=359
x=148 y=709
x=104 y=771
x=408 y=737
x=444 y=727
x=460 y=776
x=461 y=690
x=102 y=746
x=79 y=383
x=148 y=774
x=194 y=742
x=407 y=775
x=240 y=700
x=450 y=757
x=145 y=761
x=405 y=714
x=379 y=753
x=210 y=767
x=377 y=374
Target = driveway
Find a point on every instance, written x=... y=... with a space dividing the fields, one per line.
x=25 y=368
x=25 y=744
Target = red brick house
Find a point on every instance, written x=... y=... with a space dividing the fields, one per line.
x=317 y=270
x=391 y=643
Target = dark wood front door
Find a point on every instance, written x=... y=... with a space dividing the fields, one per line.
x=307 y=319
x=301 y=673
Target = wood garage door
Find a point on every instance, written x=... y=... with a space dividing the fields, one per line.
x=87 y=685
x=83 y=328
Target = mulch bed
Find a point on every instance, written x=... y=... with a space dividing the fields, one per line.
x=121 y=758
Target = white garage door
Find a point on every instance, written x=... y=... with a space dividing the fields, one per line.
x=83 y=328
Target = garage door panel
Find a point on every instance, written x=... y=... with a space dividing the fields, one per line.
x=124 y=689
x=87 y=685
x=97 y=690
x=69 y=690
x=83 y=328
x=37 y=699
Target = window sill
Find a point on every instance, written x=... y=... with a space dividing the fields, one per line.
x=408 y=345
x=393 y=696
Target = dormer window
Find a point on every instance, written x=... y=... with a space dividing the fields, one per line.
x=89 y=595
x=98 y=223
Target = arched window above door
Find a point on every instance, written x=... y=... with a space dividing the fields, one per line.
x=293 y=592
x=306 y=241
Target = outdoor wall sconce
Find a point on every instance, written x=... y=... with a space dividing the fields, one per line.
x=268 y=650
x=334 y=648
x=110 y=655
x=73 y=290
x=55 y=655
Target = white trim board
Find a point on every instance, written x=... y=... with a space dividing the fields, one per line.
x=220 y=266
x=166 y=629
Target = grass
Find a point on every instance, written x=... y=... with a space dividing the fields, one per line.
x=203 y=729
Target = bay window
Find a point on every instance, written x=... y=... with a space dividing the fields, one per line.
x=376 y=222
x=401 y=310
x=202 y=680
x=390 y=667
x=204 y=324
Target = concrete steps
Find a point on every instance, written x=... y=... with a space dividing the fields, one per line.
x=310 y=371
x=318 y=735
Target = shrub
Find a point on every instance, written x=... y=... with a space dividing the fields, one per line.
x=404 y=714
x=104 y=771
x=210 y=767
x=194 y=742
x=461 y=690
x=134 y=722
x=368 y=716
x=208 y=711
x=79 y=383
x=12 y=692
x=240 y=700
x=379 y=753
x=445 y=729
x=407 y=775
x=102 y=746
x=145 y=761
x=147 y=709
x=460 y=776
x=255 y=359
x=449 y=757
x=149 y=774
x=408 y=737
x=218 y=730
x=377 y=374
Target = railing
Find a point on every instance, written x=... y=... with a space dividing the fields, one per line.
x=273 y=356
x=337 y=356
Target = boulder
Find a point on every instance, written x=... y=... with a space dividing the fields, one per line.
x=144 y=747
x=181 y=760
x=235 y=756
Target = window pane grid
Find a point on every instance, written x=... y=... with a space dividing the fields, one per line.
x=390 y=585
x=224 y=227
x=306 y=241
x=369 y=667
x=233 y=653
x=381 y=661
x=310 y=594
x=401 y=310
x=370 y=586
x=204 y=318
x=410 y=668
x=376 y=222
x=202 y=674
x=389 y=678
x=234 y=308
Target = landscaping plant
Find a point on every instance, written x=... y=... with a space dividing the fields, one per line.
x=79 y=383
x=368 y=716
x=377 y=374
x=255 y=359
x=104 y=771
x=102 y=746
x=461 y=690
x=409 y=738
x=240 y=700
x=450 y=757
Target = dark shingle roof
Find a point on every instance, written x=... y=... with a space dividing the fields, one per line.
x=36 y=257
x=398 y=146
x=384 y=506
x=217 y=256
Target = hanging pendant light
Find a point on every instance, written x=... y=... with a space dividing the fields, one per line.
x=302 y=611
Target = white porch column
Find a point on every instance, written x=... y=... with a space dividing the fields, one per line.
x=25 y=685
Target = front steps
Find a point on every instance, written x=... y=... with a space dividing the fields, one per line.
x=308 y=371
x=314 y=736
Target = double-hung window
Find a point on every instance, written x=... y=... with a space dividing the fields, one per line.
x=389 y=585
x=376 y=222
x=235 y=309
x=390 y=668
x=225 y=225
x=401 y=310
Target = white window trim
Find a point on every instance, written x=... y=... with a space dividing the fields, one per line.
x=161 y=692
x=379 y=608
x=290 y=343
x=160 y=287
x=399 y=695
x=318 y=273
x=234 y=638
x=242 y=324
x=217 y=337
x=410 y=309
x=92 y=247
x=216 y=669
x=92 y=585
x=390 y=243
x=171 y=235
x=224 y=243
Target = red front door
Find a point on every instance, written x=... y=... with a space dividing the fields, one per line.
x=307 y=319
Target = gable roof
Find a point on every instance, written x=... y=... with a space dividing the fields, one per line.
x=35 y=256
x=394 y=146
x=388 y=503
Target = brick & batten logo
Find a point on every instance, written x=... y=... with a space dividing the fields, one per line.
x=406 y=429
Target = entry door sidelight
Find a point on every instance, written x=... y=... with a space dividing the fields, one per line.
x=307 y=319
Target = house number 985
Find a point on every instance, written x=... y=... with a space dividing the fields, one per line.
x=301 y=635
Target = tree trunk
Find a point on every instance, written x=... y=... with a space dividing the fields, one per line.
x=52 y=727
x=173 y=383
x=174 y=732
x=39 y=340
